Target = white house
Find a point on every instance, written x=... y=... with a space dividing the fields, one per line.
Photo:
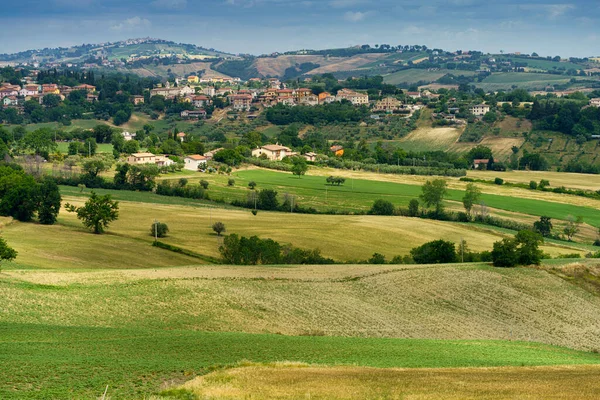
x=194 y=162
x=595 y=102
x=141 y=158
x=273 y=152
x=128 y=136
x=479 y=110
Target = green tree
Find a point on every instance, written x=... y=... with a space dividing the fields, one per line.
x=131 y=146
x=49 y=202
x=267 y=199
x=505 y=254
x=377 y=258
x=435 y=252
x=299 y=166
x=159 y=229
x=102 y=133
x=204 y=183
x=382 y=207
x=7 y=253
x=219 y=228
x=252 y=185
x=40 y=141
x=97 y=213
x=94 y=166
x=543 y=226
x=471 y=197
x=529 y=252
x=118 y=141
x=433 y=194
x=413 y=208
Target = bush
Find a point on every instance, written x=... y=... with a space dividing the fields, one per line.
x=382 y=207
x=204 y=184
x=533 y=185
x=231 y=182
x=183 y=182
x=252 y=185
x=435 y=252
x=377 y=258
x=159 y=229
x=498 y=181
x=413 y=208
x=544 y=183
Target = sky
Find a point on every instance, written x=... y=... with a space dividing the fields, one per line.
x=550 y=28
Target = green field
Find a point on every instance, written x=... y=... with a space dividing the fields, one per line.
x=359 y=194
x=541 y=64
x=63 y=147
x=41 y=362
x=411 y=76
x=525 y=80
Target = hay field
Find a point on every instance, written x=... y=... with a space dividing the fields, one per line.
x=430 y=139
x=295 y=380
x=448 y=302
x=415 y=75
x=341 y=237
x=557 y=179
x=501 y=146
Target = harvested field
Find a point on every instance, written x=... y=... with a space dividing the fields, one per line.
x=557 y=179
x=295 y=380
x=430 y=139
x=501 y=146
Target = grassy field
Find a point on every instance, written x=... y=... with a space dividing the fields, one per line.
x=556 y=179
x=289 y=380
x=41 y=362
x=63 y=147
x=359 y=194
x=525 y=80
x=411 y=76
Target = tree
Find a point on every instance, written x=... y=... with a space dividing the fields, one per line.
x=130 y=147
x=471 y=197
x=299 y=166
x=102 y=133
x=219 y=228
x=159 y=229
x=433 y=194
x=252 y=185
x=7 y=253
x=93 y=167
x=382 y=207
x=413 y=208
x=267 y=199
x=543 y=226
x=572 y=226
x=504 y=253
x=529 y=252
x=377 y=258
x=230 y=182
x=40 y=141
x=97 y=213
x=435 y=252
x=204 y=184
x=49 y=202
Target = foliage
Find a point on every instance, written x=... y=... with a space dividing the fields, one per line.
x=204 y=184
x=471 y=197
x=97 y=213
x=50 y=200
x=433 y=194
x=572 y=226
x=159 y=229
x=253 y=250
x=523 y=249
x=377 y=258
x=382 y=207
x=435 y=252
x=325 y=113
x=543 y=226
x=7 y=253
x=219 y=228
x=252 y=185
x=413 y=208
x=299 y=166
x=335 y=180
x=230 y=182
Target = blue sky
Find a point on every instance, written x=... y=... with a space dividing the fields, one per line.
x=261 y=26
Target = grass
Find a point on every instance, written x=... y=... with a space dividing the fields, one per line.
x=63 y=147
x=359 y=194
x=526 y=80
x=556 y=179
x=294 y=380
x=41 y=361
x=190 y=228
x=411 y=76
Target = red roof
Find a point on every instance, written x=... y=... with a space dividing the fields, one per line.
x=196 y=157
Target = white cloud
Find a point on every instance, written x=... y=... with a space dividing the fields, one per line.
x=550 y=11
x=354 y=16
x=346 y=3
x=131 y=24
x=170 y=4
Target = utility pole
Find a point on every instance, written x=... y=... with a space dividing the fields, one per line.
x=462 y=250
x=89 y=149
x=155 y=231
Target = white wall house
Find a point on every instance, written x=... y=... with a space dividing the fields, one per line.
x=194 y=162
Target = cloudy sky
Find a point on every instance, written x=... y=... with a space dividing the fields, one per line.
x=547 y=27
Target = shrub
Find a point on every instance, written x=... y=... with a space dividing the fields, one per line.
x=413 y=208
x=231 y=182
x=382 y=207
x=159 y=229
x=377 y=258
x=204 y=184
x=252 y=185
x=498 y=181
x=533 y=185
x=183 y=182
x=544 y=183
x=435 y=252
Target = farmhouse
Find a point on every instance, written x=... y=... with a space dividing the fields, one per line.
x=163 y=161
x=595 y=102
x=194 y=162
x=479 y=110
x=128 y=136
x=138 y=100
x=481 y=163
x=337 y=150
x=389 y=104
x=181 y=136
x=193 y=79
x=414 y=95
x=310 y=156
x=355 y=98
x=210 y=154
x=273 y=152
x=141 y=158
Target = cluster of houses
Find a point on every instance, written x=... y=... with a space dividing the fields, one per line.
x=14 y=95
x=193 y=162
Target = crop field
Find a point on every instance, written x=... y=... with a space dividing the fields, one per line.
x=430 y=139
x=294 y=380
x=556 y=179
x=411 y=76
x=359 y=193
x=71 y=333
x=506 y=80
x=541 y=64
